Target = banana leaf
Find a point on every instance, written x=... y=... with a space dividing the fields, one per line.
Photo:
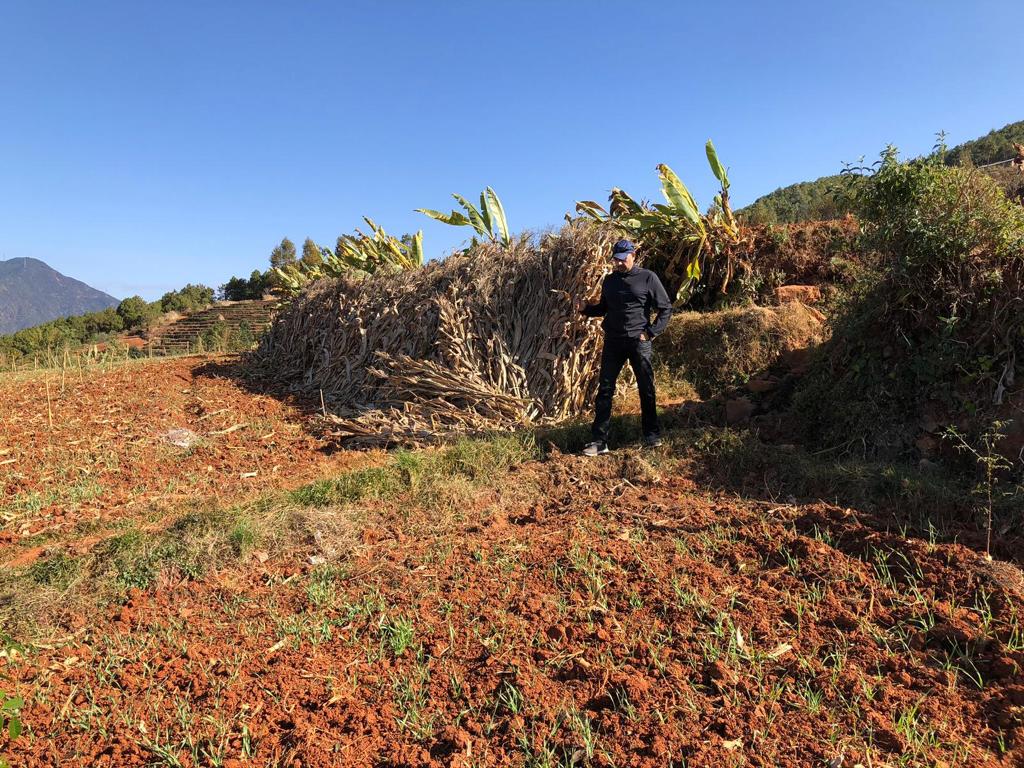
x=591 y=209
x=716 y=166
x=497 y=214
x=416 y=250
x=475 y=219
x=454 y=218
x=678 y=195
x=485 y=214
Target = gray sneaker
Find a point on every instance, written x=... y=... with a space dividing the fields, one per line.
x=652 y=442
x=595 y=448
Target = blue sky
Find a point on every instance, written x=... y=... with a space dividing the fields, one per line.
x=144 y=145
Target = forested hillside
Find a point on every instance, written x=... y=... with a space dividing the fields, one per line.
x=817 y=200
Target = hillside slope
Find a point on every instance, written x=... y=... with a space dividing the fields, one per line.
x=815 y=201
x=991 y=148
x=31 y=292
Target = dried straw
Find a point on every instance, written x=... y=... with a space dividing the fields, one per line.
x=480 y=341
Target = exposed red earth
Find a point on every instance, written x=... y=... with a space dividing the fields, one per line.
x=571 y=612
x=625 y=619
x=81 y=449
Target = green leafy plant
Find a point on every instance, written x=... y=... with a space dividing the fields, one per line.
x=991 y=462
x=10 y=717
x=488 y=220
x=933 y=324
x=696 y=254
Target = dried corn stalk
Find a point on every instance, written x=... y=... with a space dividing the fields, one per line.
x=483 y=340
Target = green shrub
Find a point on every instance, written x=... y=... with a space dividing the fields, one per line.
x=937 y=327
x=214 y=338
x=187 y=299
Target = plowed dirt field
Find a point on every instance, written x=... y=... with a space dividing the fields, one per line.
x=564 y=612
x=80 y=451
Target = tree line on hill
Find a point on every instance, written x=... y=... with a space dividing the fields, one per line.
x=259 y=283
x=136 y=315
x=827 y=198
x=132 y=314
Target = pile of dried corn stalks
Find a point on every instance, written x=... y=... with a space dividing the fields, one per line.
x=483 y=340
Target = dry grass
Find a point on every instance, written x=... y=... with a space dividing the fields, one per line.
x=715 y=349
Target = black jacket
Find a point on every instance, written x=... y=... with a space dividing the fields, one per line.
x=627 y=299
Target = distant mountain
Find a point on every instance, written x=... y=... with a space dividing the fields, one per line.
x=808 y=200
x=32 y=293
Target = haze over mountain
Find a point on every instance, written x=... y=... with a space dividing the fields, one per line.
x=32 y=292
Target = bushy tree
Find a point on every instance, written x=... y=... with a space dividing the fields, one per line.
x=136 y=312
x=187 y=299
x=240 y=289
x=283 y=254
x=311 y=253
x=104 y=321
x=235 y=289
x=258 y=283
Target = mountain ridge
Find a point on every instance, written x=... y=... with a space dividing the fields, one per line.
x=33 y=292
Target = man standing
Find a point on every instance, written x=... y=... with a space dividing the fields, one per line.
x=628 y=296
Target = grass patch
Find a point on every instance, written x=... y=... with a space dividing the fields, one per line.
x=375 y=483
x=58 y=571
x=33 y=599
x=419 y=475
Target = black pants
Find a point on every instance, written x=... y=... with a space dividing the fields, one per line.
x=614 y=355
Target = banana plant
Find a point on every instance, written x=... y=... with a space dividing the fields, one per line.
x=488 y=220
x=355 y=254
x=369 y=253
x=695 y=252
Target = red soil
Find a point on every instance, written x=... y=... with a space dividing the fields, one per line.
x=624 y=620
x=107 y=456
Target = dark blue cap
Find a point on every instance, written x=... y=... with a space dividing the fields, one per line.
x=622 y=249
